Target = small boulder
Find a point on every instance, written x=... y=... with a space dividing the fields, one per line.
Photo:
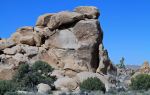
x=44 y=32
x=66 y=84
x=43 y=19
x=30 y=51
x=22 y=32
x=6 y=44
x=10 y=51
x=29 y=40
x=43 y=88
x=26 y=35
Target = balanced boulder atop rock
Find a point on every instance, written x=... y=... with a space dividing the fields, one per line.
x=64 y=17
x=89 y=11
x=43 y=20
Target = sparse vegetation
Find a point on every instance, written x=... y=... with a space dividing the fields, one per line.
x=92 y=84
x=27 y=78
x=141 y=82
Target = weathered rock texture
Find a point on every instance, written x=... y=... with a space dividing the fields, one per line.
x=71 y=42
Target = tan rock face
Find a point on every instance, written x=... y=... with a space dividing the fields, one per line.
x=68 y=41
x=105 y=64
x=6 y=72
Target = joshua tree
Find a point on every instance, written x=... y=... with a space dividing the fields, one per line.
x=121 y=64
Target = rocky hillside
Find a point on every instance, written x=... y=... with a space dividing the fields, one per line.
x=71 y=42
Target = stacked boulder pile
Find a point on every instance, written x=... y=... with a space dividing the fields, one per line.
x=71 y=42
x=144 y=69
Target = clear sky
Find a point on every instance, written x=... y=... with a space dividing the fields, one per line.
x=126 y=23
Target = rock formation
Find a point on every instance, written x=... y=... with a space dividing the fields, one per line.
x=69 y=41
x=144 y=69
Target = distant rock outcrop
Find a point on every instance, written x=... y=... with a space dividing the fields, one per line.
x=68 y=41
x=144 y=69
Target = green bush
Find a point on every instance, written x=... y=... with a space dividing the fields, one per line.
x=6 y=86
x=22 y=70
x=29 y=76
x=140 y=82
x=92 y=84
x=42 y=66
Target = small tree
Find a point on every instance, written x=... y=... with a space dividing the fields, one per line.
x=121 y=64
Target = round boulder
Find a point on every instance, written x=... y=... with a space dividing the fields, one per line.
x=43 y=88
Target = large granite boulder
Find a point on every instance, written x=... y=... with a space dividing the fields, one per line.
x=77 y=47
x=62 y=18
x=66 y=84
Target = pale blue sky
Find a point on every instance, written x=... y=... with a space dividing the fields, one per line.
x=126 y=23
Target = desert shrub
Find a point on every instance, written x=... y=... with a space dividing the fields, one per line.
x=29 y=76
x=42 y=66
x=6 y=86
x=140 y=82
x=92 y=84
